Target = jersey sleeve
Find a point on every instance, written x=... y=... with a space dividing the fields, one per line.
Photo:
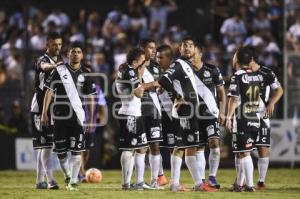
x=166 y=81
x=40 y=61
x=272 y=80
x=89 y=87
x=217 y=77
x=234 y=90
x=127 y=81
x=51 y=82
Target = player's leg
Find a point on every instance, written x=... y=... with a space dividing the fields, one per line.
x=176 y=161
x=214 y=161
x=262 y=165
x=155 y=160
x=200 y=156
x=40 y=172
x=193 y=165
x=127 y=162
x=85 y=155
x=139 y=162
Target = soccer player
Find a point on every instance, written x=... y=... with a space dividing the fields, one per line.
x=151 y=110
x=132 y=134
x=242 y=117
x=43 y=137
x=210 y=88
x=70 y=85
x=164 y=57
x=180 y=81
x=269 y=82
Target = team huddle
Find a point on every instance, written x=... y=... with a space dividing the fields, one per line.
x=166 y=101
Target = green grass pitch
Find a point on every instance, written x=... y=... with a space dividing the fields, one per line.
x=282 y=183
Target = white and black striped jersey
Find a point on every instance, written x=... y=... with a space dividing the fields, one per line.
x=83 y=84
x=245 y=85
x=177 y=81
x=211 y=77
x=148 y=106
x=40 y=78
x=126 y=81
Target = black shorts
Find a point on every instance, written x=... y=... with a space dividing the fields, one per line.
x=153 y=129
x=243 y=141
x=68 y=136
x=168 y=131
x=208 y=129
x=132 y=133
x=263 y=137
x=89 y=140
x=42 y=137
x=188 y=133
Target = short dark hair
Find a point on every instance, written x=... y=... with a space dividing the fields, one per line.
x=166 y=49
x=244 y=55
x=188 y=38
x=53 y=36
x=134 y=54
x=76 y=44
x=144 y=42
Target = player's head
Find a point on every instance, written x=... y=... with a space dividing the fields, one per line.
x=136 y=57
x=149 y=46
x=198 y=51
x=75 y=53
x=187 y=47
x=242 y=57
x=54 y=43
x=164 y=56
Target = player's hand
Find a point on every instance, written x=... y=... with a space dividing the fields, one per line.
x=221 y=118
x=269 y=110
x=179 y=102
x=139 y=92
x=45 y=120
x=156 y=84
x=228 y=124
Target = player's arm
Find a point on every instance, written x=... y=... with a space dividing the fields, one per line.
x=232 y=105
x=277 y=92
x=166 y=81
x=45 y=66
x=222 y=101
x=219 y=82
x=46 y=103
x=151 y=85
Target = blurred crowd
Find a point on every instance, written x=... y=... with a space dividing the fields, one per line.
x=108 y=36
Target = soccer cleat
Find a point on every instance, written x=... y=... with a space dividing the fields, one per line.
x=154 y=185
x=205 y=187
x=127 y=187
x=249 y=189
x=261 y=186
x=41 y=185
x=67 y=180
x=178 y=188
x=162 y=180
x=82 y=178
x=53 y=185
x=72 y=187
x=236 y=188
x=212 y=181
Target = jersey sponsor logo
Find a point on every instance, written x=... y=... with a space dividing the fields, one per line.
x=37 y=122
x=155 y=70
x=43 y=140
x=220 y=77
x=72 y=142
x=255 y=124
x=232 y=87
x=155 y=132
x=210 y=130
x=65 y=76
x=171 y=138
x=190 y=138
x=144 y=138
x=134 y=142
x=80 y=78
x=246 y=78
x=206 y=74
x=131 y=73
x=185 y=124
x=131 y=124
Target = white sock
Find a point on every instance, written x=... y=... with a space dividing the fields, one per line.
x=248 y=168
x=75 y=167
x=202 y=162
x=154 y=164
x=161 y=168
x=262 y=165
x=47 y=163
x=127 y=166
x=40 y=171
x=139 y=161
x=240 y=174
x=176 y=166
x=193 y=166
x=64 y=164
x=214 y=161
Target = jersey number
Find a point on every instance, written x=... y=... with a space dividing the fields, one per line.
x=253 y=95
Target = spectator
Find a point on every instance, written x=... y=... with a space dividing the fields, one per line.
x=18 y=119
x=293 y=35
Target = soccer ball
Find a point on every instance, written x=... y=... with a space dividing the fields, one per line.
x=93 y=175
